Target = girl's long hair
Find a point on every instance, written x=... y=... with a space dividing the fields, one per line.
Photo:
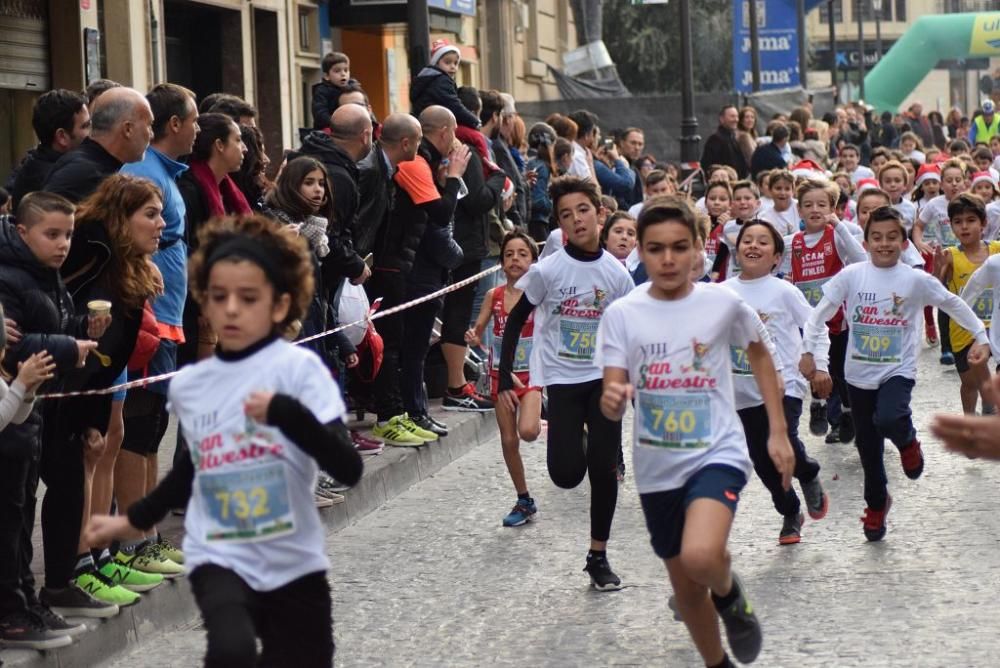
x=129 y=275
x=286 y=196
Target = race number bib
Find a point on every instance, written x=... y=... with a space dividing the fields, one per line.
x=246 y=505
x=577 y=338
x=878 y=345
x=679 y=421
x=522 y=355
x=948 y=238
x=813 y=290
x=740 y=361
x=983 y=306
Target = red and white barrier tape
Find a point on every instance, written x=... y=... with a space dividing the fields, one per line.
x=142 y=382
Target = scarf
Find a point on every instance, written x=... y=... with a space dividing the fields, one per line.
x=313 y=228
x=222 y=198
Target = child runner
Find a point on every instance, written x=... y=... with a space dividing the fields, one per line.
x=784 y=311
x=261 y=417
x=667 y=346
x=746 y=203
x=517 y=252
x=718 y=203
x=927 y=186
x=954 y=266
x=894 y=180
x=821 y=250
x=762 y=179
x=933 y=221
x=618 y=236
x=850 y=163
x=984 y=185
x=874 y=198
x=884 y=299
x=783 y=213
x=571 y=290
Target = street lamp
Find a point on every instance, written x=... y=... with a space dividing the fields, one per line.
x=861 y=49
x=689 y=122
x=833 y=46
x=877 y=6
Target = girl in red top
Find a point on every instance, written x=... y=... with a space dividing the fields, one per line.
x=517 y=252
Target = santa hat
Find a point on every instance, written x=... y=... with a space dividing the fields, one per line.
x=979 y=177
x=508 y=188
x=439 y=48
x=928 y=173
x=865 y=184
x=808 y=169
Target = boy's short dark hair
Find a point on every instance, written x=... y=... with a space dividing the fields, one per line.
x=780 y=175
x=882 y=214
x=609 y=203
x=97 y=87
x=958 y=146
x=234 y=107
x=334 y=58
x=967 y=203
x=351 y=87
x=656 y=176
x=850 y=147
x=874 y=192
x=469 y=97
x=492 y=104
x=779 y=132
x=34 y=205
x=568 y=185
x=746 y=184
x=585 y=122
x=167 y=100
x=982 y=153
x=881 y=151
x=667 y=208
x=53 y=111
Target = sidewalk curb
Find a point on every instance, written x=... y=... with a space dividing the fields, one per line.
x=172 y=605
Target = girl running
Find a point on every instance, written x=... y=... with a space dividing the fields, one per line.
x=517 y=252
x=894 y=180
x=571 y=290
x=618 y=236
x=718 y=201
x=666 y=346
x=784 y=311
x=783 y=213
x=926 y=188
x=261 y=417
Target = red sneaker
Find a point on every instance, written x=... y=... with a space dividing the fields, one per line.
x=874 y=521
x=365 y=445
x=912 y=458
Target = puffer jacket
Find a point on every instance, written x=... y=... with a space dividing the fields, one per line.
x=35 y=298
x=433 y=86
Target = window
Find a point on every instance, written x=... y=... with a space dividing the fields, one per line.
x=838 y=12
x=305 y=30
x=900 y=10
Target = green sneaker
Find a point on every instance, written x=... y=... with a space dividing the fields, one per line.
x=394 y=433
x=103 y=589
x=409 y=425
x=150 y=559
x=171 y=551
x=125 y=576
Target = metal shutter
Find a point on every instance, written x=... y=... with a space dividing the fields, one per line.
x=24 y=45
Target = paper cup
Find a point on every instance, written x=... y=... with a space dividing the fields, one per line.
x=99 y=307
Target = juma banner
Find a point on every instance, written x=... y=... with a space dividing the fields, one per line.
x=779 y=50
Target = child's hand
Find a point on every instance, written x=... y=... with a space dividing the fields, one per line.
x=979 y=353
x=614 y=398
x=724 y=218
x=94 y=445
x=102 y=529
x=35 y=370
x=822 y=384
x=832 y=220
x=83 y=349
x=97 y=325
x=509 y=400
x=351 y=361
x=257 y=404
x=807 y=365
x=472 y=337
x=781 y=454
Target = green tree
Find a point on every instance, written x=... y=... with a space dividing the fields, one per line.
x=644 y=42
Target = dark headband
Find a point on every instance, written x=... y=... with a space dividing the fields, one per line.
x=244 y=248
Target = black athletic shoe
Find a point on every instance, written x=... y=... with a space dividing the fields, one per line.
x=817 y=418
x=25 y=630
x=833 y=437
x=791 y=529
x=602 y=578
x=55 y=624
x=433 y=426
x=846 y=430
x=742 y=626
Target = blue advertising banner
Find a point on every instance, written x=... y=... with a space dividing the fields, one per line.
x=456 y=6
x=779 y=50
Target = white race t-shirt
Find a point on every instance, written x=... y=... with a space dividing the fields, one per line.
x=908 y=210
x=911 y=256
x=992 y=232
x=553 y=243
x=883 y=310
x=786 y=222
x=570 y=296
x=252 y=508
x=980 y=293
x=784 y=311
x=636 y=209
x=937 y=224
x=677 y=357
x=580 y=166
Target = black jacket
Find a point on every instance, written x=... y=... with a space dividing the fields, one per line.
x=34 y=296
x=766 y=156
x=433 y=86
x=376 y=191
x=472 y=222
x=342 y=171
x=438 y=253
x=721 y=148
x=518 y=214
x=33 y=172
x=324 y=102
x=79 y=172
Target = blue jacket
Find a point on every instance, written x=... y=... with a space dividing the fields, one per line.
x=617 y=183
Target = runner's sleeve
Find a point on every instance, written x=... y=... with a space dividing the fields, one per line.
x=329 y=444
x=952 y=304
x=612 y=340
x=834 y=294
x=799 y=308
x=511 y=334
x=979 y=282
x=174 y=491
x=849 y=248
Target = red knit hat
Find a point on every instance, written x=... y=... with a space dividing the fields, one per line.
x=928 y=173
x=439 y=48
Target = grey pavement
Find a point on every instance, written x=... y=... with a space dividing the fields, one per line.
x=432 y=579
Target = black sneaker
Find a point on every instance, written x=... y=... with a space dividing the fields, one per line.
x=817 y=502
x=55 y=624
x=791 y=529
x=742 y=626
x=433 y=426
x=602 y=578
x=846 y=430
x=72 y=601
x=817 y=418
x=833 y=437
x=467 y=400
x=25 y=630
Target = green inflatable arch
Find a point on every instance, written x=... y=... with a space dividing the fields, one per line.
x=930 y=39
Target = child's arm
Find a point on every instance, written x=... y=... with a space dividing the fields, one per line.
x=778 y=446
x=952 y=304
x=475 y=333
x=815 y=336
x=943 y=264
x=511 y=335
x=918 y=233
x=617 y=393
x=849 y=249
x=15 y=406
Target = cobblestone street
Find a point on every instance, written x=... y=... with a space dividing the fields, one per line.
x=432 y=579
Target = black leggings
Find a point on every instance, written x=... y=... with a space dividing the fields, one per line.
x=838 y=354
x=294 y=622
x=570 y=408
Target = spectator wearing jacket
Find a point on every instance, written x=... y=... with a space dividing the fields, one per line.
x=631 y=143
x=61 y=121
x=501 y=111
x=541 y=161
x=614 y=175
x=770 y=155
x=721 y=148
x=326 y=94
